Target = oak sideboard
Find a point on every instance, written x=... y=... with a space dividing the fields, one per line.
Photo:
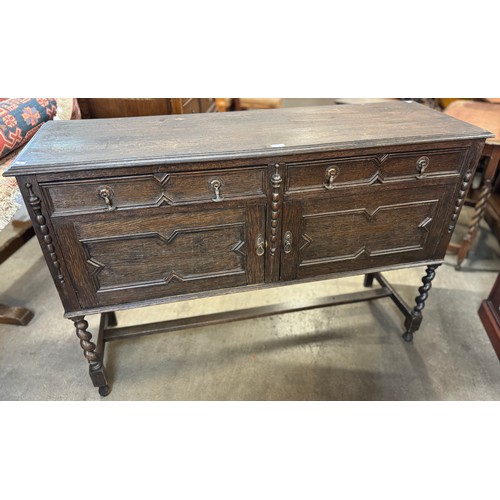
x=139 y=211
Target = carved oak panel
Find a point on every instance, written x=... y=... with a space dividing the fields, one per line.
x=161 y=255
x=349 y=234
x=387 y=226
x=184 y=254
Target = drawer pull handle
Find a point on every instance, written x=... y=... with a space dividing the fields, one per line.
x=330 y=175
x=260 y=244
x=287 y=242
x=107 y=195
x=216 y=185
x=422 y=164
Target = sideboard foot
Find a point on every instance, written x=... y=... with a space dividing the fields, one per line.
x=104 y=390
x=408 y=336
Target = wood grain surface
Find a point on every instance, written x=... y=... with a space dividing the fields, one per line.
x=87 y=144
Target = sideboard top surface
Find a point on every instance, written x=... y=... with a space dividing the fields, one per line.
x=87 y=144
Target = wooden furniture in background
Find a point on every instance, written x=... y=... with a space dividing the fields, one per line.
x=492 y=212
x=485 y=115
x=489 y=312
x=127 y=107
x=222 y=104
x=360 y=100
x=155 y=210
x=15 y=226
x=245 y=103
x=258 y=103
x=10 y=314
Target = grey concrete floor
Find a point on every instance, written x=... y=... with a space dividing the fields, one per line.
x=351 y=352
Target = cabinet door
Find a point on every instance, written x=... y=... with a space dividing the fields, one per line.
x=354 y=229
x=147 y=254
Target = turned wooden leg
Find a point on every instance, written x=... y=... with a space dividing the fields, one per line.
x=413 y=321
x=368 y=281
x=96 y=367
x=479 y=210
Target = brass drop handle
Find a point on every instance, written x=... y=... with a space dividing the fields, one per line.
x=330 y=175
x=287 y=242
x=216 y=185
x=422 y=164
x=260 y=245
x=106 y=194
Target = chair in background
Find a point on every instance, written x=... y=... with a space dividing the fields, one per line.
x=487 y=116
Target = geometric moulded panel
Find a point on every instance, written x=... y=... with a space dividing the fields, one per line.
x=145 y=259
x=350 y=234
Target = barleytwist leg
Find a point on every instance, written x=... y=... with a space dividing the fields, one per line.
x=413 y=321
x=96 y=367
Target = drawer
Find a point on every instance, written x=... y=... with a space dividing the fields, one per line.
x=191 y=105
x=154 y=190
x=381 y=168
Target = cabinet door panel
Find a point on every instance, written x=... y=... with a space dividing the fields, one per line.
x=352 y=232
x=132 y=258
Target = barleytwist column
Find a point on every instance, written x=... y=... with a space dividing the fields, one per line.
x=96 y=368
x=36 y=204
x=85 y=341
x=276 y=180
x=413 y=321
x=274 y=224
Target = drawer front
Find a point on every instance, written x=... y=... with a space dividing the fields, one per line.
x=382 y=168
x=154 y=190
x=134 y=256
x=386 y=226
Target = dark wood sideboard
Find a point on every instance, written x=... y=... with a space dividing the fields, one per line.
x=141 y=211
